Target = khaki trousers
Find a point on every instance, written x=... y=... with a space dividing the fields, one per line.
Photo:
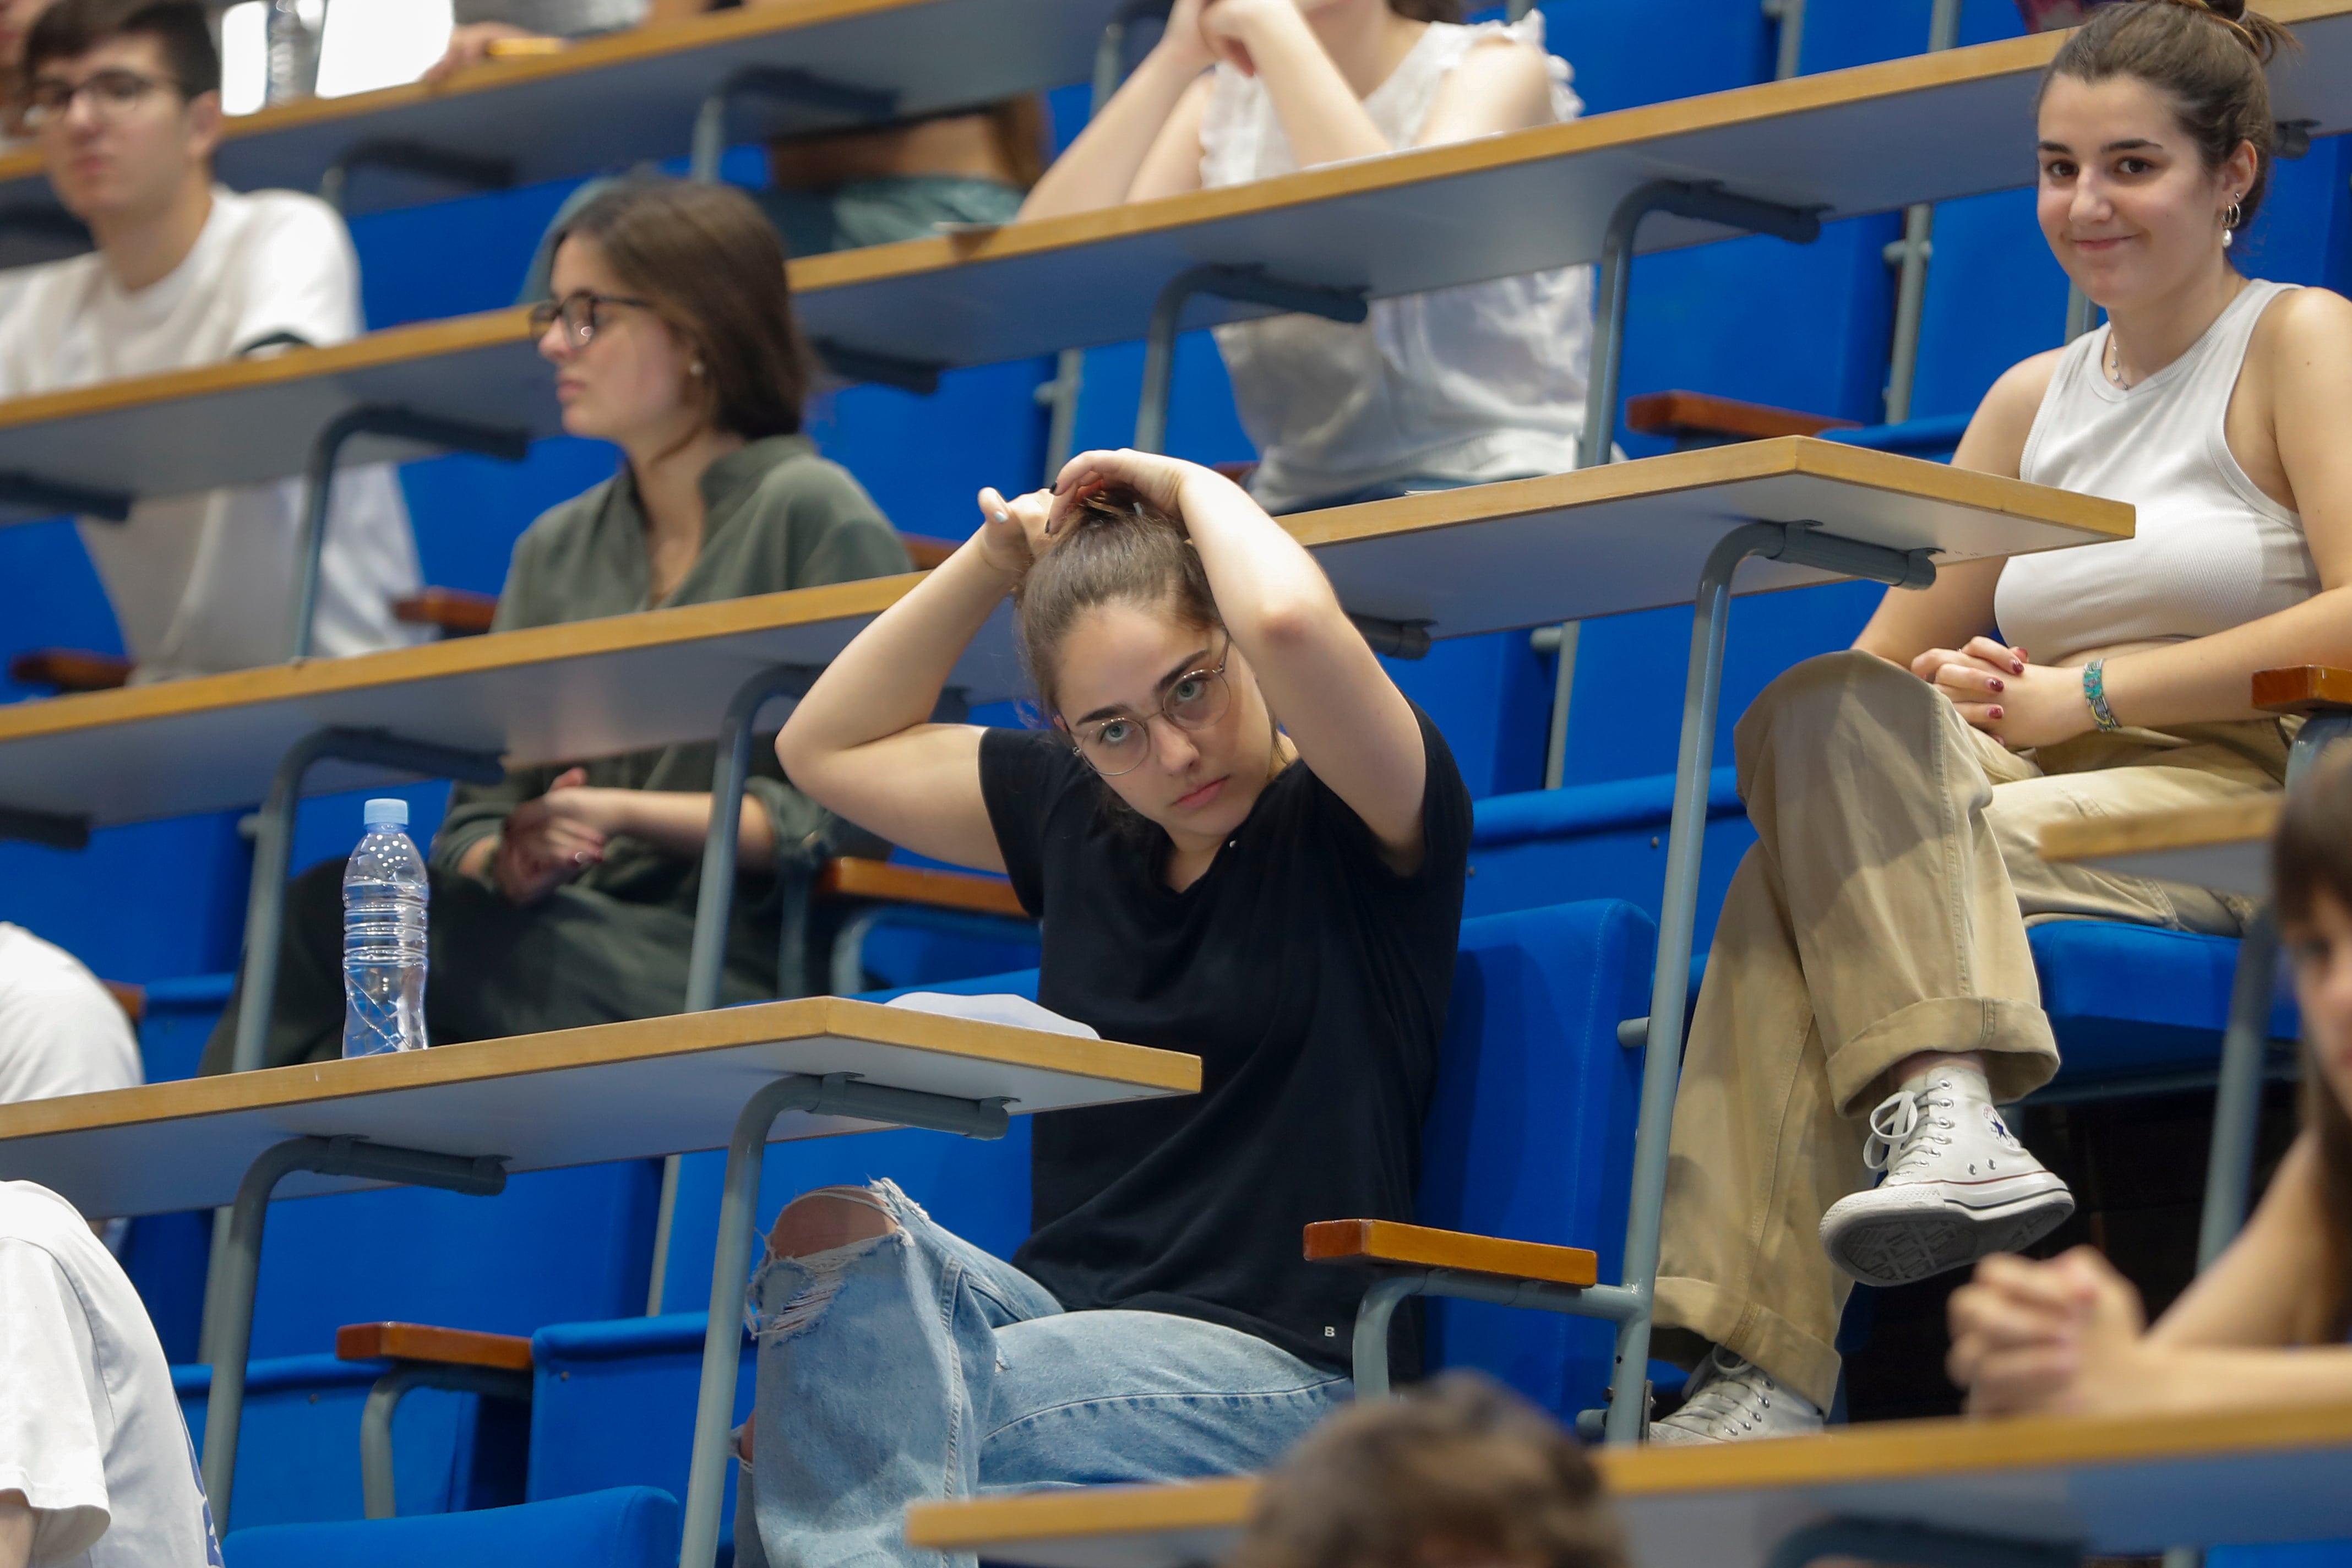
x=1882 y=912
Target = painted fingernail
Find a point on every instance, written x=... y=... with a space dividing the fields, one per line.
x=2016 y=668
x=1996 y=713
x=1997 y=686
x=1002 y=516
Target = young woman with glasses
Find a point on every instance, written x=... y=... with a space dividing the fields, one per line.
x=1243 y=843
x=565 y=895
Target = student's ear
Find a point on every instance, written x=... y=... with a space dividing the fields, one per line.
x=205 y=120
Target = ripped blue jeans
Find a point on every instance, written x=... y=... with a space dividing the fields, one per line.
x=915 y=1366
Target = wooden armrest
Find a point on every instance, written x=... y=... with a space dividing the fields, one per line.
x=1702 y=413
x=421 y=1341
x=927 y=551
x=1386 y=1241
x=2304 y=688
x=131 y=999
x=850 y=877
x=459 y=611
x=70 y=669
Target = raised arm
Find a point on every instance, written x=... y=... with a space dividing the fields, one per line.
x=862 y=743
x=1146 y=141
x=1325 y=686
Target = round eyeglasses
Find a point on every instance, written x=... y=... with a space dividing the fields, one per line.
x=580 y=312
x=113 y=95
x=1195 y=699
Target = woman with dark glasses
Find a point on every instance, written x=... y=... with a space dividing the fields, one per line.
x=565 y=895
x=1243 y=843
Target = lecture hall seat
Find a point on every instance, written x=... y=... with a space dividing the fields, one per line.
x=630 y=1527
x=1693 y=419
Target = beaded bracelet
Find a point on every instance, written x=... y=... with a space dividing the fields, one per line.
x=2095 y=692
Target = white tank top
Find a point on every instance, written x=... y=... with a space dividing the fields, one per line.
x=2209 y=551
x=1481 y=381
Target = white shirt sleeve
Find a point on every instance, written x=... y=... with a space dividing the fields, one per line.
x=297 y=272
x=60 y=1033
x=52 y=1426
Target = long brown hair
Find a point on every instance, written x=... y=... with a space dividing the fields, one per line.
x=2207 y=56
x=1458 y=1469
x=2312 y=852
x=714 y=268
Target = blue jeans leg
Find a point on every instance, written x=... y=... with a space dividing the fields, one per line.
x=915 y=1366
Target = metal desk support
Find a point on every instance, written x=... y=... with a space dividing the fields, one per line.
x=1629 y=1305
x=835 y=1094
x=376 y=1484
x=511 y=446
x=1249 y=284
x=264 y=907
x=51 y=829
x=228 y=1294
x=469 y=171
x=1913 y=252
x=782 y=85
x=1707 y=204
x=34 y=492
x=2238 y=1097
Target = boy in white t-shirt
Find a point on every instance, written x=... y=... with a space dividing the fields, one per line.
x=96 y=1468
x=123 y=96
x=60 y=1033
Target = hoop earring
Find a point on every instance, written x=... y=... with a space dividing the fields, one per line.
x=2231 y=222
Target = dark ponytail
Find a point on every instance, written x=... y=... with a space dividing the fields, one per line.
x=2312 y=853
x=1118 y=550
x=2207 y=56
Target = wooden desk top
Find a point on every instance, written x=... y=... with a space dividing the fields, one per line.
x=575 y=1096
x=2226 y=846
x=1920 y=129
x=611 y=101
x=2120 y=1486
x=586 y=689
x=1492 y=557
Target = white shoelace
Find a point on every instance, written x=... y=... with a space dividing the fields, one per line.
x=1738 y=1391
x=1903 y=1135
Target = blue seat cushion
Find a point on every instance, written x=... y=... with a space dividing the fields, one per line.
x=629 y=1527
x=2129 y=999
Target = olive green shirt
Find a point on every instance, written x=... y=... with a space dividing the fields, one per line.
x=777 y=516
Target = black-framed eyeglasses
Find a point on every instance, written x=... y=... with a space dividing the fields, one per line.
x=1195 y=699
x=113 y=94
x=580 y=312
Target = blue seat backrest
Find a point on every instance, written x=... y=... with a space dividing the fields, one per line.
x=634 y=1527
x=2129 y=999
x=1531 y=1134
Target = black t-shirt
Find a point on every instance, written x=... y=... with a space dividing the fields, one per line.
x=1310 y=978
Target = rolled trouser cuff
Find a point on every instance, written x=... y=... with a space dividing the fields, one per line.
x=1803 y=1361
x=2021 y=1054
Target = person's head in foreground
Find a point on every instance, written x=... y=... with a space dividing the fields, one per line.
x=125 y=96
x=2266 y=1323
x=1120 y=631
x=671 y=323
x=1456 y=1472
x=2155 y=138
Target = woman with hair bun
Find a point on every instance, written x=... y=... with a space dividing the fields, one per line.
x=1456 y=386
x=2069 y=1335
x=565 y=895
x=1870 y=998
x=1243 y=843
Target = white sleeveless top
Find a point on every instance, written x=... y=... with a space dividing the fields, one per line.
x=1481 y=381
x=2210 y=550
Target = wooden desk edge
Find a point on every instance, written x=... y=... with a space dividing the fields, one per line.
x=1142 y=1068
x=1889 y=1451
x=2252 y=820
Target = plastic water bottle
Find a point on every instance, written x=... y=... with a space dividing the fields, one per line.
x=384 y=894
x=292 y=28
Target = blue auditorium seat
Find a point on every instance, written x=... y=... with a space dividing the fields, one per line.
x=2129 y=1001
x=630 y=1527
x=1530 y=1135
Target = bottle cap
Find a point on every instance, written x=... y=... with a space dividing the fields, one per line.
x=390 y=808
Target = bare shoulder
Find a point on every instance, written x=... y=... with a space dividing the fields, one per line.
x=2303 y=326
x=1995 y=441
x=1501 y=83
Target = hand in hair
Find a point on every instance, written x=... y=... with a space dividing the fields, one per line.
x=2063 y=1335
x=1158 y=479
x=1012 y=533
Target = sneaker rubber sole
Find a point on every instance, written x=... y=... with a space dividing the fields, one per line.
x=1883 y=1245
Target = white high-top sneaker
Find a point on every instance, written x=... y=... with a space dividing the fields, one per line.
x=1728 y=1400
x=1959 y=1186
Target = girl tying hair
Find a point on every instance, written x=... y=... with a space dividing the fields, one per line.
x=1243 y=843
x=1452 y=387
x=2067 y=1335
x=1871 y=996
